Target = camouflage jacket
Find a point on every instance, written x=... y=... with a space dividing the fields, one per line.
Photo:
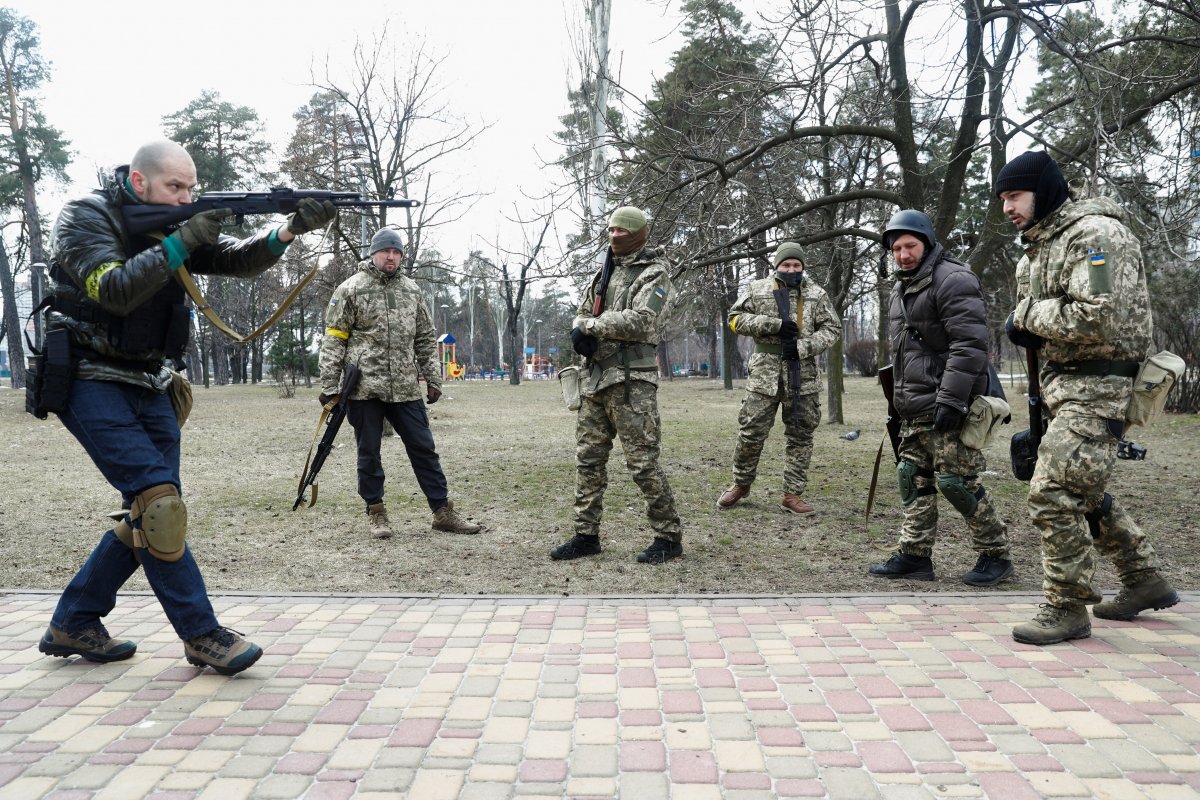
x=756 y=314
x=1081 y=286
x=380 y=323
x=631 y=322
x=95 y=258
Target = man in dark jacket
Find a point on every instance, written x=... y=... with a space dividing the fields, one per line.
x=938 y=331
x=122 y=315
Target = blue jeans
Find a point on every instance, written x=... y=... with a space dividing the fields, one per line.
x=132 y=436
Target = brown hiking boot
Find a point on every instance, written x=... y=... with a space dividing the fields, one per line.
x=1154 y=593
x=223 y=649
x=730 y=497
x=1054 y=624
x=92 y=643
x=377 y=516
x=795 y=504
x=447 y=519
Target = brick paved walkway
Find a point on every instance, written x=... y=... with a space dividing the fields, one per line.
x=753 y=697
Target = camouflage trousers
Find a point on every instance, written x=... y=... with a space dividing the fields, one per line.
x=943 y=454
x=602 y=417
x=755 y=421
x=1067 y=504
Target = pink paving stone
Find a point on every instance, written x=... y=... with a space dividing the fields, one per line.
x=297 y=671
x=834 y=758
x=414 y=733
x=197 y=727
x=672 y=662
x=153 y=695
x=370 y=732
x=448 y=668
x=636 y=677
x=330 y=673
x=123 y=759
x=332 y=790
x=285 y=649
x=235 y=730
x=267 y=701
x=780 y=737
x=756 y=685
x=956 y=727
x=1118 y=712
x=795 y=787
x=963 y=746
x=278 y=625
x=918 y=692
x=822 y=670
x=284 y=729
x=681 y=702
x=766 y=705
x=398 y=636
x=597 y=710
x=938 y=767
x=643 y=757
x=693 y=766
x=959 y=656
x=1058 y=699
x=1008 y=662
x=1057 y=736
x=985 y=712
x=74 y=694
x=806 y=641
x=714 y=678
x=903 y=718
x=848 y=702
x=635 y=650
x=1158 y=709
x=884 y=757
x=812 y=712
x=877 y=686
x=1154 y=777
x=878 y=644
x=1008 y=785
x=539 y=770
x=706 y=650
x=17 y=703
x=746 y=780
x=830 y=630
x=341 y=712
x=177 y=674
x=644 y=717
x=130 y=746
x=564 y=649
x=1036 y=763
x=124 y=716
x=732 y=631
x=301 y=763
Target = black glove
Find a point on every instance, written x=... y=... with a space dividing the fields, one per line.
x=947 y=418
x=1021 y=338
x=326 y=399
x=788 y=329
x=583 y=343
x=202 y=229
x=790 y=352
x=311 y=214
x=432 y=394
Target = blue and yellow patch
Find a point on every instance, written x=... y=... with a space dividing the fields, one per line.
x=1099 y=272
x=658 y=299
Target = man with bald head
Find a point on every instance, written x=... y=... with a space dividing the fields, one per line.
x=117 y=322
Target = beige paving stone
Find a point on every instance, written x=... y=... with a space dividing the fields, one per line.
x=390 y=697
x=592 y=787
x=469 y=708
x=105 y=700
x=62 y=728
x=550 y=709
x=1035 y=715
x=1168 y=792
x=134 y=781
x=439 y=682
x=313 y=694
x=1057 y=784
x=1089 y=725
x=983 y=761
x=1181 y=763
x=641 y=733
x=688 y=736
x=694 y=791
x=206 y=684
x=203 y=761
x=868 y=731
x=24 y=788
x=353 y=754
x=320 y=738
x=167 y=758
x=547 y=744
x=436 y=784
x=92 y=739
x=591 y=683
x=429 y=704
x=450 y=747
x=638 y=699
x=594 y=730
x=505 y=730
x=493 y=773
x=516 y=689
x=184 y=782
x=739 y=756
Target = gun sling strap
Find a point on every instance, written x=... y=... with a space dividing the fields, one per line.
x=325 y=411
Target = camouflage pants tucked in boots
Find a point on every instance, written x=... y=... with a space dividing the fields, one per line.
x=755 y=421
x=1075 y=460
x=943 y=454
x=602 y=417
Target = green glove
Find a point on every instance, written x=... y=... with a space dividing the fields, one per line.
x=310 y=215
x=202 y=229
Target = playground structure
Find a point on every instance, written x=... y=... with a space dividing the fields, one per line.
x=447 y=360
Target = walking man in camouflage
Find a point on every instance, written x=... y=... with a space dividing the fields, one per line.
x=1082 y=302
x=377 y=320
x=617 y=330
x=939 y=336
x=811 y=329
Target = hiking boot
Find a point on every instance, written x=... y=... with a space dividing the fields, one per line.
x=660 y=551
x=377 y=517
x=223 y=649
x=988 y=571
x=1154 y=593
x=902 y=565
x=447 y=520
x=91 y=642
x=577 y=547
x=795 y=504
x=730 y=497
x=1054 y=624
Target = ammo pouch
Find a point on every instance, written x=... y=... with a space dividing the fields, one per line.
x=983 y=416
x=1023 y=452
x=180 y=391
x=568 y=381
x=1153 y=383
x=48 y=379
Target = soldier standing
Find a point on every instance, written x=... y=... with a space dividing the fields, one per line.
x=939 y=335
x=811 y=329
x=617 y=330
x=377 y=320
x=1082 y=302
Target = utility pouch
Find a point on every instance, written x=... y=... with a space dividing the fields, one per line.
x=181 y=396
x=1023 y=452
x=983 y=416
x=1151 y=387
x=51 y=383
x=568 y=381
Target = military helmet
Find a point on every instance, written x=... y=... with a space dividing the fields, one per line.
x=909 y=221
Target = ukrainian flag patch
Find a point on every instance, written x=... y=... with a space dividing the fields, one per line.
x=1099 y=272
x=658 y=299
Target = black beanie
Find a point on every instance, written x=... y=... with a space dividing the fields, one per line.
x=1037 y=172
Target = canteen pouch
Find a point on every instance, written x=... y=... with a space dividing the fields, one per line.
x=1151 y=387
x=568 y=381
x=983 y=416
x=181 y=396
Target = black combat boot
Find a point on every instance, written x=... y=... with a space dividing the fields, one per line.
x=902 y=565
x=660 y=551
x=577 y=547
x=988 y=571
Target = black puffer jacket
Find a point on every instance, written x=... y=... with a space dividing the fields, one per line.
x=96 y=261
x=946 y=306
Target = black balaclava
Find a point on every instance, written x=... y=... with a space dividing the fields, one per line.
x=1035 y=172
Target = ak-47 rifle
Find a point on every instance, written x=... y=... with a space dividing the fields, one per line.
x=143 y=218
x=785 y=344
x=602 y=288
x=332 y=420
x=1023 y=448
x=887 y=382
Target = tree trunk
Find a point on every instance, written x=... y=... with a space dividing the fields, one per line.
x=12 y=321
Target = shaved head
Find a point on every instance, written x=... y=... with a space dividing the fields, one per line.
x=162 y=172
x=152 y=157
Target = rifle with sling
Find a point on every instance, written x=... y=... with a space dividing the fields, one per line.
x=331 y=418
x=786 y=344
x=892 y=434
x=1023 y=449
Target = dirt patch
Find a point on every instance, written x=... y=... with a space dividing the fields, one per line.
x=508 y=453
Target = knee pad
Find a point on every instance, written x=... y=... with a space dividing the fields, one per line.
x=164 y=523
x=906 y=475
x=954 y=489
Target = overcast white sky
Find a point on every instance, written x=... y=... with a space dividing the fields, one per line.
x=118 y=67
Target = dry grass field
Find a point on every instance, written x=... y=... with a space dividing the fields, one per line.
x=508 y=454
